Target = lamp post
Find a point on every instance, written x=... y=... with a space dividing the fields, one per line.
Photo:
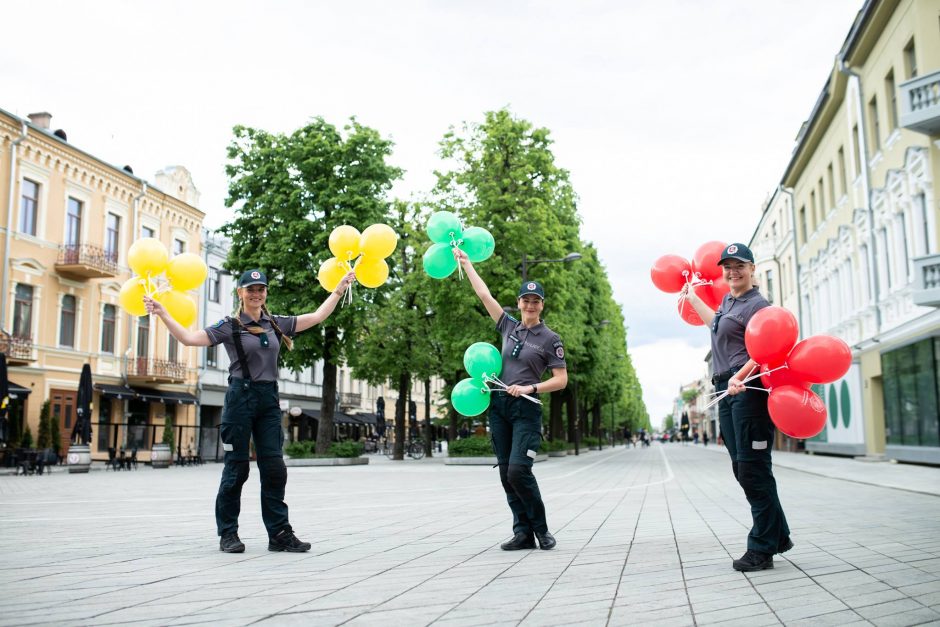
x=527 y=263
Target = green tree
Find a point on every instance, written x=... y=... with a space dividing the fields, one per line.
x=168 y=435
x=44 y=438
x=290 y=192
x=26 y=441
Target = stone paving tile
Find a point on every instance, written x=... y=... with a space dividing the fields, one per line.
x=922 y=616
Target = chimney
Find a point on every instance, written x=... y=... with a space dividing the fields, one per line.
x=41 y=120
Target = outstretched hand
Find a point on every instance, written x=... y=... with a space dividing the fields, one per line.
x=461 y=257
x=344 y=283
x=153 y=307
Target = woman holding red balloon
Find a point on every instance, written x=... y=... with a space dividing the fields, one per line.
x=745 y=423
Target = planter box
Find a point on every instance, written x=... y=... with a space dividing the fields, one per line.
x=326 y=461
x=562 y=453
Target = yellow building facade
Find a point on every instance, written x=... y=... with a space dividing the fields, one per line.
x=68 y=220
x=860 y=194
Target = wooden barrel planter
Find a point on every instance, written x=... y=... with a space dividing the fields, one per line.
x=79 y=458
x=161 y=456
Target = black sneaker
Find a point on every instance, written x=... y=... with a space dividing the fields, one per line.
x=230 y=543
x=785 y=546
x=519 y=541
x=753 y=560
x=287 y=541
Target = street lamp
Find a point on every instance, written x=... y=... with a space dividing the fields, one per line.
x=527 y=263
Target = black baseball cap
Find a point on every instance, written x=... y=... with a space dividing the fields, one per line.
x=532 y=287
x=736 y=251
x=253 y=277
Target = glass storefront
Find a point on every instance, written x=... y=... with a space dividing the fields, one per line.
x=911 y=377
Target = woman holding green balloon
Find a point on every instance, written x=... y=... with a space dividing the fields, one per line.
x=529 y=348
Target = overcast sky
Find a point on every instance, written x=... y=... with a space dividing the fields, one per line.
x=676 y=118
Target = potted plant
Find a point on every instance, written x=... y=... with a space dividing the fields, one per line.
x=162 y=453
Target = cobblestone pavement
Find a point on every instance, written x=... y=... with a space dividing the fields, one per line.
x=645 y=536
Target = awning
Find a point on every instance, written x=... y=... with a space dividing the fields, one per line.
x=165 y=396
x=115 y=391
x=339 y=418
x=17 y=391
x=367 y=419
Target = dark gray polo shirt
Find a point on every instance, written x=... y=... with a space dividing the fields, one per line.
x=540 y=350
x=728 y=350
x=262 y=360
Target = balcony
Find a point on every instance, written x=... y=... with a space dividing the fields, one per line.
x=927 y=281
x=147 y=370
x=83 y=261
x=347 y=399
x=17 y=348
x=920 y=104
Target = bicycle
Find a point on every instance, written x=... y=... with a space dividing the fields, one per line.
x=413 y=449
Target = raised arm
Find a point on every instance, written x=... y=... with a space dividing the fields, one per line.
x=704 y=311
x=185 y=336
x=307 y=320
x=483 y=292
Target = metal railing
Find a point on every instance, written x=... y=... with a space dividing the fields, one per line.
x=348 y=399
x=157 y=368
x=920 y=103
x=88 y=255
x=17 y=347
x=927 y=281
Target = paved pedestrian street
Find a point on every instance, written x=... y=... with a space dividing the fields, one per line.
x=645 y=536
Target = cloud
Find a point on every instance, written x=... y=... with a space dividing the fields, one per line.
x=663 y=366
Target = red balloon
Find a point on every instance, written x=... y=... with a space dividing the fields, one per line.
x=796 y=411
x=819 y=359
x=705 y=260
x=780 y=377
x=687 y=312
x=770 y=334
x=713 y=294
x=667 y=273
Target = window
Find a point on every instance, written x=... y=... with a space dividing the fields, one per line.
x=891 y=95
x=911 y=383
x=23 y=311
x=770 y=286
x=179 y=246
x=67 y=322
x=146 y=231
x=814 y=210
x=143 y=336
x=803 y=222
x=857 y=151
x=104 y=424
x=875 y=125
x=822 y=202
x=910 y=59
x=922 y=220
x=214 y=277
x=212 y=356
x=904 y=268
x=173 y=349
x=29 y=207
x=831 y=181
x=108 y=318
x=842 y=174
x=112 y=237
x=73 y=223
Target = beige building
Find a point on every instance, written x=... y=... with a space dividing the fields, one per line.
x=68 y=220
x=860 y=210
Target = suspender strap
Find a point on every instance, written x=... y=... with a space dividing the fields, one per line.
x=237 y=339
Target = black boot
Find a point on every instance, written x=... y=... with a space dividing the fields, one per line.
x=519 y=541
x=230 y=543
x=287 y=541
x=785 y=545
x=753 y=560
x=546 y=540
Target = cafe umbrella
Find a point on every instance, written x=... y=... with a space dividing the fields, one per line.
x=81 y=434
x=4 y=400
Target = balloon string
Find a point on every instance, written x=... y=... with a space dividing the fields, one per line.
x=454 y=244
x=497 y=382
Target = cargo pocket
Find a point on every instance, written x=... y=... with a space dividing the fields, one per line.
x=533 y=444
x=233 y=440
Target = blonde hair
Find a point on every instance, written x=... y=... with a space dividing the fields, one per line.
x=236 y=317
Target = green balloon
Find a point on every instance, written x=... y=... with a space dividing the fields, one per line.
x=481 y=359
x=444 y=226
x=478 y=243
x=439 y=261
x=470 y=397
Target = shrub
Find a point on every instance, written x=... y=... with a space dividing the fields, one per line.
x=55 y=434
x=301 y=449
x=554 y=445
x=590 y=441
x=168 y=436
x=27 y=440
x=345 y=449
x=474 y=446
x=44 y=439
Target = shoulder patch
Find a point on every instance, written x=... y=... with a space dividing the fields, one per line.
x=559 y=349
x=219 y=323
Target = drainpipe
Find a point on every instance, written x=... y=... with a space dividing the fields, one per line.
x=866 y=181
x=6 y=248
x=796 y=254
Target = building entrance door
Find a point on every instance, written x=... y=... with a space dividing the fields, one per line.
x=62 y=406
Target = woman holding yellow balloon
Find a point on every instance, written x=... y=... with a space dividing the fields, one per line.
x=252 y=338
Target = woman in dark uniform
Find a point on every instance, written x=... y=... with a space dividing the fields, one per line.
x=745 y=424
x=252 y=339
x=529 y=349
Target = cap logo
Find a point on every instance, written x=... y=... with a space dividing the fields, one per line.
x=530 y=286
x=732 y=249
x=256 y=275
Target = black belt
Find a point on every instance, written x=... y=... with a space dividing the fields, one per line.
x=721 y=377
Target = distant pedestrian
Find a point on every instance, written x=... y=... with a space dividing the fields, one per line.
x=253 y=338
x=745 y=424
x=705 y=437
x=463 y=432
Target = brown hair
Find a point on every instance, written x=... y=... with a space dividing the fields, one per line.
x=236 y=319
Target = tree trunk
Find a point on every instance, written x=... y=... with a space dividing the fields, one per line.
x=452 y=413
x=401 y=408
x=325 y=426
x=428 y=427
x=556 y=428
x=571 y=410
x=596 y=423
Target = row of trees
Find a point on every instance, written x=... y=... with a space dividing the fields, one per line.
x=290 y=191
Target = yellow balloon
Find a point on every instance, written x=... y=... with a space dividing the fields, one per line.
x=371 y=272
x=378 y=241
x=331 y=273
x=147 y=256
x=180 y=306
x=132 y=297
x=344 y=242
x=186 y=271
